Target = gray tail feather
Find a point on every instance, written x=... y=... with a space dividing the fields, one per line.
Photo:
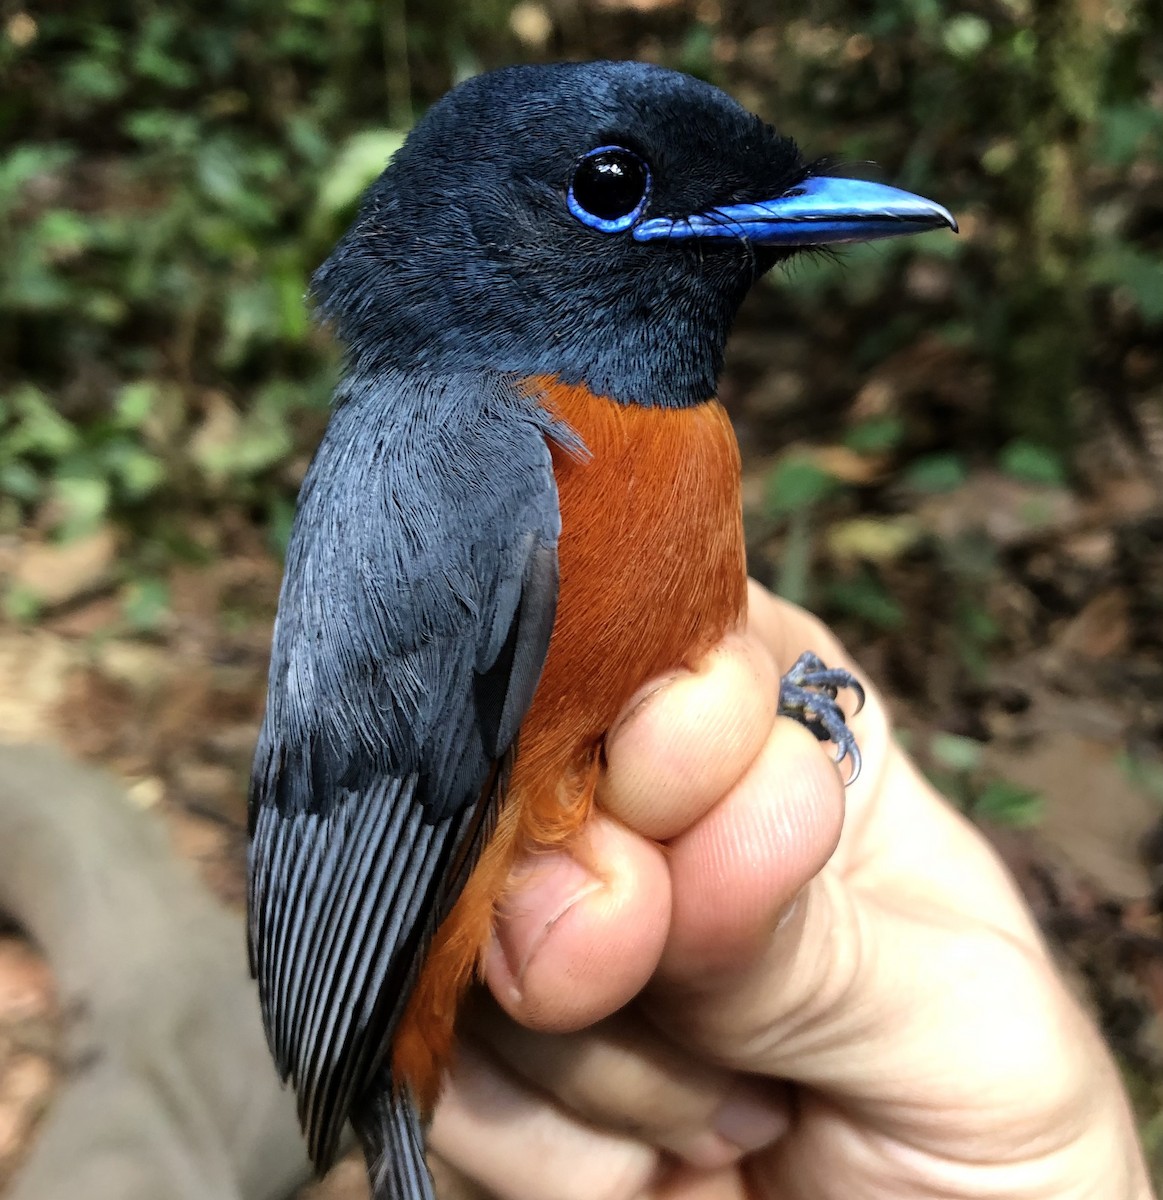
x=392 y=1135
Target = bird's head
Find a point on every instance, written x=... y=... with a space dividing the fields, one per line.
x=599 y=222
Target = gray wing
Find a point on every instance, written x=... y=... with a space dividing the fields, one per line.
x=413 y=623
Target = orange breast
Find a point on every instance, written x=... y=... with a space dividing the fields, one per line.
x=651 y=559
x=652 y=575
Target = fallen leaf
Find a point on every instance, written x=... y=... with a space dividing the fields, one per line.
x=35 y=670
x=1101 y=630
x=1094 y=815
x=874 y=540
x=58 y=572
x=140 y=666
x=849 y=466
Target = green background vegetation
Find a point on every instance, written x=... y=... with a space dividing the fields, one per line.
x=171 y=175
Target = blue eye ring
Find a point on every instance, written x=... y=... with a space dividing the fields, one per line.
x=624 y=175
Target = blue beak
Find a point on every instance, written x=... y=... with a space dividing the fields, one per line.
x=821 y=211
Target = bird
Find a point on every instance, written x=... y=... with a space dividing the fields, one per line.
x=526 y=504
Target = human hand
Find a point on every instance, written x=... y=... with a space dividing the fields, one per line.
x=827 y=1005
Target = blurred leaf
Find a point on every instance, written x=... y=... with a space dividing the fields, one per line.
x=19 y=480
x=1023 y=48
x=226 y=173
x=62 y=234
x=1125 y=131
x=21 y=604
x=977 y=621
x=83 y=499
x=936 y=473
x=864 y=596
x=134 y=403
x=289 y=281
x=280 y=518
x=250 y=317
x=878 y=435
x=1032 y=463
x=164 y=129
x=1133 y=270
x=233 y=447
x=1145 y=773
x=145 y=604
x=954 y=752
x=697 y=54
x=1008 y=804
x=153 y=56
x=875 y=539
x=23 y=164
x=40 y=430
x=136 y=470
x=91 y=79
x=796 y=484
x=360 y=160
x=1000 y=155
x=976 y=630
x=966 y=35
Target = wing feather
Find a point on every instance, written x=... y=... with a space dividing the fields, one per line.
x=414 y=620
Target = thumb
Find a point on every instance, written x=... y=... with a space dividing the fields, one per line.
x=739 y=875
x=763 y=966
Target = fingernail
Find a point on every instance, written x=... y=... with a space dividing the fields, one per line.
x=749 y=1122
x=552 y=884
x=638 y=702
x=788 y=912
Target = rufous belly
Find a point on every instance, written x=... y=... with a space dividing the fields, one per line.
x=652 y=575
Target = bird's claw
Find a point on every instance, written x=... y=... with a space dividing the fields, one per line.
x=808 y=694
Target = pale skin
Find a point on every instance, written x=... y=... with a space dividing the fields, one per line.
x=840 y=994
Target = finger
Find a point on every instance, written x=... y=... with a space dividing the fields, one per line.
x=735 y=872
x=574 y=943
x=506 y=1138
x=689 y=1184
x=854 y=994
x=683 y=745
x=622 y=1076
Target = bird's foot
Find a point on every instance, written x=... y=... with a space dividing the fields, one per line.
x=807 y=694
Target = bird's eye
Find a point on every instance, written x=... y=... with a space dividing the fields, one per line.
x=609 y=189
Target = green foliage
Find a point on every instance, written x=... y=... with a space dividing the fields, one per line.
x=865 y=597
x=878 y=435
x=958 y=771
x=1133 y=273
x=1040 y=125
x=1032 y=463
x=794 y=490
x=170 y=176
x=177 y=178
x=1145 y=773
x=936 y=473
x=146 y=605
x=358 y=162
x=83 y=469
x=796 y=485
